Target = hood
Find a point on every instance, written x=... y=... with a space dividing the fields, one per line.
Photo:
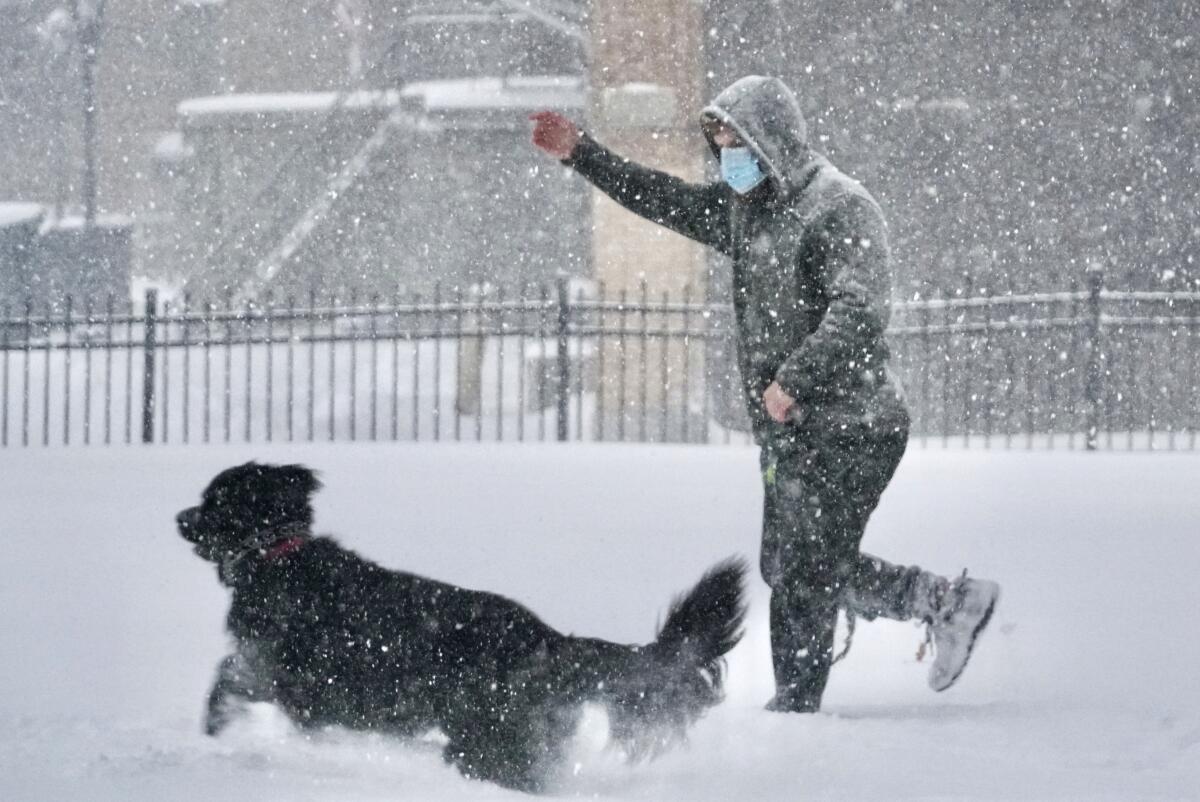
x=766 y=116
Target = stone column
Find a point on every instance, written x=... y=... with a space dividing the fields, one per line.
x=646 y=87
x=646 y=93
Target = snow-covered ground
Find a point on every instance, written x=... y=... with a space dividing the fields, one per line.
x=1084 y=687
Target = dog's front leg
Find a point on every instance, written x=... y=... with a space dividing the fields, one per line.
x=235 y=686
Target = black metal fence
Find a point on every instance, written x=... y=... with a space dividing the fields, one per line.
x=1086 y=367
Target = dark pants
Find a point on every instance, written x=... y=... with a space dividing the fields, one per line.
x=819 y=492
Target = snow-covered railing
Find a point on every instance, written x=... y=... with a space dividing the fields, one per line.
x=993 y=301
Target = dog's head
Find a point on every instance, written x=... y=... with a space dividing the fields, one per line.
x=244 y=503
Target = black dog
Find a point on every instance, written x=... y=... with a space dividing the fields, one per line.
x=334 y=639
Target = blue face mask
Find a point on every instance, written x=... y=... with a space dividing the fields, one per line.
x=740 y=169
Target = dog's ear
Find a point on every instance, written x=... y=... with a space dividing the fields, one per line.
x=299 y=478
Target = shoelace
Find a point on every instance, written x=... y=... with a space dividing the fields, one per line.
x=851 y=618
x=927 y=646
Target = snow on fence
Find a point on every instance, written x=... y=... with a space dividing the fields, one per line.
x=1084 y=368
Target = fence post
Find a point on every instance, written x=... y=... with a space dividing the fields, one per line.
x=149 y=345
x=1095 y=358
x=563 y=391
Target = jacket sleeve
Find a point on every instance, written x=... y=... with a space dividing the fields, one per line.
x=855 y=274
x=698 y=211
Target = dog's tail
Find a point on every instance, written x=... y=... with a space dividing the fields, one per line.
x=665 y=686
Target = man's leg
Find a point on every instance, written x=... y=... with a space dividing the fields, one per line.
x=867 y=585
x=809 y=537
x=956 y=611
x=802 y=632
x=876 y=588
x=817 y=503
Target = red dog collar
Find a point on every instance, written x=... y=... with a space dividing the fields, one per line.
x=282 y=548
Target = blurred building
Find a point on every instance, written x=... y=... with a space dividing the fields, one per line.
x=377 y=192
x=1013 y=145
x=214 y=180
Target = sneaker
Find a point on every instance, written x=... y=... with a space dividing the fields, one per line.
x=965 y=610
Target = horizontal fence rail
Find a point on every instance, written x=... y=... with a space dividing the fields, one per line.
x=1083 y=368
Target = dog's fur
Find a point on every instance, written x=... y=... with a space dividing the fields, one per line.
x=334 y=639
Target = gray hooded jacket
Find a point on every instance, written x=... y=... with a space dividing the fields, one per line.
x=811 y=267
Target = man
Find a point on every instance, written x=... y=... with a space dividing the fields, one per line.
x=811 y=290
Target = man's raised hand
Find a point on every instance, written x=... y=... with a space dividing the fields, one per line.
x=555 y=134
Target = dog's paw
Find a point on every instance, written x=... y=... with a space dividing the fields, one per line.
x=217 y=719
x=214 y=724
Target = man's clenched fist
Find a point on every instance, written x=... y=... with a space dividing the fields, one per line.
x=555 y=134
